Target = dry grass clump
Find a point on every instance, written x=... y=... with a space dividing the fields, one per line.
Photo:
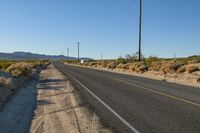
x=138 y=67
x=7 y=80
x=173 y=66
x=104 y=64
x=191 y=68
x=98 y=64
x=193 y=61
x=123 y=66
x=112 y=65
x=151 y=60
x=156 y=66
x=181 y=69
x=93 y=64
x=39 y=64
x=12 y=71
x=5 y=64
x=20 y=69
x=167 y=66
x=143 y=68
x=85 y=64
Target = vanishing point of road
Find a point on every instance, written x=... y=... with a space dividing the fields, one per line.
x=135 y=104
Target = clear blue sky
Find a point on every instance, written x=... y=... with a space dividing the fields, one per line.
x=102 y=26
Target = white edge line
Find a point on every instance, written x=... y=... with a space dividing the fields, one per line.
x=109 y=108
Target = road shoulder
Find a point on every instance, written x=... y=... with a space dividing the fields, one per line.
x=59 y=107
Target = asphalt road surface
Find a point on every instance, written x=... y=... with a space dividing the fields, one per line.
x=135 y=104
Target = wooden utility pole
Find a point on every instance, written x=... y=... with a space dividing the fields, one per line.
x=68 y=54
x=140 y=31
x=78 y=50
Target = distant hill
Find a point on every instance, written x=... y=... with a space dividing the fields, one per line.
x=29 y=56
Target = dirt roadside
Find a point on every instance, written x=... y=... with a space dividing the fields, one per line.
x=16 y=115
x=59 y=108
x=50 y=105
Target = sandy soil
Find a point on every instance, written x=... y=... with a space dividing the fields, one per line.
x=16 y=115
x=59 y=109
x=50 y=105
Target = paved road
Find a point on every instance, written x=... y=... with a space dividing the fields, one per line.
x=135 y=104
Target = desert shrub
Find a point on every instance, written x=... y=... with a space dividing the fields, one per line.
x=20 y=69
x=176 y=65
x=181 y=69
x=112 y=65
x=6 y=80
x=104 y=64
x=143 y=68
x=4 y=65
x=122 y=60
x=191 y=59
x=171 y=66
x=72 y=61
x=166 y=66
x=131 y=58
x=191 y=68
x=138 y=67
x=156 y=66
x=85 y=64
x=123 y=66
x=98 y=64
x=38 y=64
x=151 y=59
x=93 y=64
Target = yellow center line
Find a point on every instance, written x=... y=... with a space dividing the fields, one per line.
x=158 y=92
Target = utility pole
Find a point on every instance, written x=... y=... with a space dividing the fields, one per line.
x=101 y=57
x=140 y=31
x=78 y=49
x=174 y=55
x=68 y=54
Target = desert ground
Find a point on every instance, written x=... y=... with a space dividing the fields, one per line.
x=48 y=103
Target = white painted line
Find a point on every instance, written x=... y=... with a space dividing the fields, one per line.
x=108 y=107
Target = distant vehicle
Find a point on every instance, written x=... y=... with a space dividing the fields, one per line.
x=82 y=61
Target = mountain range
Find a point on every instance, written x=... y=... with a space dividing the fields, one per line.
x=29 y=56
